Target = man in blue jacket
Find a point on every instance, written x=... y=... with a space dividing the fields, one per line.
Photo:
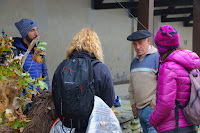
x=28 y=31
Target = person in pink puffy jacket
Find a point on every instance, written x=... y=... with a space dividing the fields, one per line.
x=173 y=82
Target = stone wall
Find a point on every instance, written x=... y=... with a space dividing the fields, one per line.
x=128 y=123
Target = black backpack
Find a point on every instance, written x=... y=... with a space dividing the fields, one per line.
x=73 y=91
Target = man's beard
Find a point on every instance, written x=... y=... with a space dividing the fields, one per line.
x=29 y=39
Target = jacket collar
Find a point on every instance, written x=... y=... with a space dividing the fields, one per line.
x=151 y=51
x=19 y=43
x=82 y=54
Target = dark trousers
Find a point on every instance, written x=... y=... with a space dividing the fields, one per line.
x=188 y=129
x=80 y=130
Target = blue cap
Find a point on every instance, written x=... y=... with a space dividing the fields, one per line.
x=24 y=26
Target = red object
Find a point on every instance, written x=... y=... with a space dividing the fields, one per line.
x=55 y=122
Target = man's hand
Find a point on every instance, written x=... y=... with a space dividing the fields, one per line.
x=134 y=110
x=151 y=106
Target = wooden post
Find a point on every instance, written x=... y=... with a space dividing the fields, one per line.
x=196 y=26
x=145 y=16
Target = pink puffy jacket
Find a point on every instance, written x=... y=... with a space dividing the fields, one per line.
x=173 y=83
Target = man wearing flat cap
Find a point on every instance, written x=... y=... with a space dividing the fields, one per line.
x=142 y=84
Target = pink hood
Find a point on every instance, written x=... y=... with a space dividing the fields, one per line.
x=173 y=83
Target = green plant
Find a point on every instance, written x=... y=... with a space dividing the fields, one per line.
x=12 y=81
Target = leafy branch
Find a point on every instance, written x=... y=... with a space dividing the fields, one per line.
x=13 y=81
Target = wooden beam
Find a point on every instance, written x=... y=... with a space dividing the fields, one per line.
x=162 y=3
x=133 y=6
x=163 y=19
x=164 y=16
x=196 y=27
x=113 y=5
x=134 y=11
x=189 y=25
x=186 y=22
x=159 y=12
x=97 y=5
x=174 y=11
x=100 y=1
x=145 y=15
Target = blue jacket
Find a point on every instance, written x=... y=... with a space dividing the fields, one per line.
x=103 y=84
x=36 y=69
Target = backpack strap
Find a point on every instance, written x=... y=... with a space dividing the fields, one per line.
x=178 y=105
x=187 y=70
x=194 y=75
x=61 y=101
x=94 y=62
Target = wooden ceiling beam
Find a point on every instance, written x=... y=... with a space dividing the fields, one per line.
x=127 y=5
x=166 y=11
x=189 y=25
x=164 y=16
x=171 y=4
x=163 y=19
x=174 y=11
x=98 y=4
x=187 y=22
x=162 y=3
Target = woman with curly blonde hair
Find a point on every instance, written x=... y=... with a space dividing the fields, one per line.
x=86 y=45
x=88 y=41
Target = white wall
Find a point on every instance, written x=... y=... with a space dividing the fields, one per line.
x=59 y=21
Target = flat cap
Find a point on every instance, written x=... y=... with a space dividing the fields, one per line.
x=138 y=35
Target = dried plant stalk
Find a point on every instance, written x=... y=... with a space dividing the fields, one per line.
x=28 y=51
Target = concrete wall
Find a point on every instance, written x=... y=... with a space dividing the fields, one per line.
x=59 y=21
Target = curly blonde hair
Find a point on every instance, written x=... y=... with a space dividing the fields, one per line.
x=86 y=40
